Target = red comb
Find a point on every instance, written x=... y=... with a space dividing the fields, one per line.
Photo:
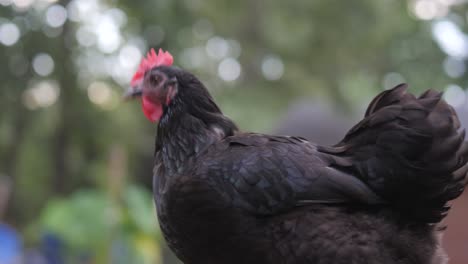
x=152 y=60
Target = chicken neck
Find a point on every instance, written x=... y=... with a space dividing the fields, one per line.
x=188 y=126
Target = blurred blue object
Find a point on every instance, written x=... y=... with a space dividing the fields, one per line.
x=10 y=245
x=52 y=248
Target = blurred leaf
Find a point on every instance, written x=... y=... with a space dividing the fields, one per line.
x=85 y=220
x=141 y=210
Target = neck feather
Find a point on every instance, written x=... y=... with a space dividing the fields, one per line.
x=190 y=123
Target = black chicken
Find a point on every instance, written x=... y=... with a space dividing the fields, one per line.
x=225 y=196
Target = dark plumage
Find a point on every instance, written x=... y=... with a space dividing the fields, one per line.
x=225 y=196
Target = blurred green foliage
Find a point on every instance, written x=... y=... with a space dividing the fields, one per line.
x=89 y=220
x=79 y=162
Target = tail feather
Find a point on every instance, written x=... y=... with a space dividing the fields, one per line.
x=410 y=151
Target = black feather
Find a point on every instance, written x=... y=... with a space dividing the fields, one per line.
x=254 y=198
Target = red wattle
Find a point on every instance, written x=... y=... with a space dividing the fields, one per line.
x=151 y=110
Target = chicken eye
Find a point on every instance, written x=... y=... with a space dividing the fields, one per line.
x=155 y=79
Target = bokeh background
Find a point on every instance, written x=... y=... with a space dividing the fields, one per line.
x=75 y=162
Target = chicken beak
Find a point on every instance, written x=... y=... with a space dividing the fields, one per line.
x=133 y=93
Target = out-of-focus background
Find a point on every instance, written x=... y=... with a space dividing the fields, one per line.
x=76 y=163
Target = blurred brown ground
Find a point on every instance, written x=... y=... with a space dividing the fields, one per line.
x=456 y=235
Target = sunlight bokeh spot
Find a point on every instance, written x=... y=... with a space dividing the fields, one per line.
x=101 y=94
x=129 y=56
x=41 y=94
x=272 y=67
x=455 y=95
x=118 y=16
x=85 y=36
x=450 y=38
x=217 y=48
x=429 y=9
x=454 y=67
x=56 y=15
x=23 y=4
x=9 y=34
x=108 y=34
x=43 y=64
x=229 y=69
